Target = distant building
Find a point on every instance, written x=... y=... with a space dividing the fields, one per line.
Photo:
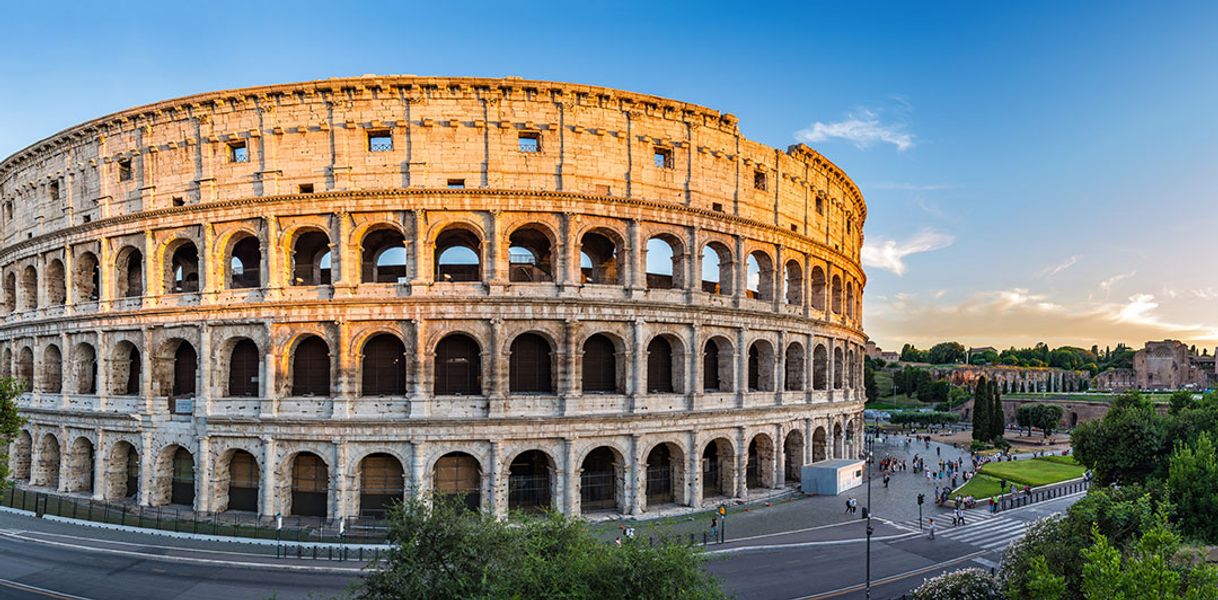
x=875 y=352
x=1115 y=380
x=1165 y=365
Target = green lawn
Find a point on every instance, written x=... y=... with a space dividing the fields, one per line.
x=980 y=487
x=1033 y=472
x=1065 y=460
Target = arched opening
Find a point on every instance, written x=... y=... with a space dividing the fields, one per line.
x=717 y=365
x=664 y=268
x=837 y=295
x=86 y=281
x=530 y=255
x=659 y=366
x=244 y=369
x=717 y=269
x=759 y=470
x=382 y=483
x=243 y=481
x=850 y=299
x=311 y=367
x=529 y=481
x=29 y=288
x=665 y=474
x=760 y=276
x=600 y=480
x=457 y=477
x=10 y=292
x=125 y=365
x=761 y=367
x=793 y=457
x=57 y=294
x=184 y=373
x=851 y=371
x=718 y=469
x=530 y=365
x=458 y=255
x=310 y=486
x=23 y=449
x=130 y=280
x=84 y=367
x=838 y=367
x=311 y=258
x=599 y=258
x=1073 y=420
x=794 y=283
x=183 y=275
x=383 y=259
x=600 y=365
x=793 y=380
x=47 y=472
x=122 y=472
x=820 y=445
x=182 y=478
x=52 y=370
x=820 y=368
x=458 y=367
x=818 y=288
x=25 y=368
x=839 y=450
x=245 y=264
x=383 y=366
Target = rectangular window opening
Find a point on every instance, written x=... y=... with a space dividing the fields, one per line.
x=305 y=188
x=179 y=201
x=820 y=206
x=238 y=152
x=530 y=142
x=87 y=218
x=456 y=184
x=124 y=170
x=380 y=140
x=55 y=190
x=794 y=227
x=759 y=180
x=717 y=207
x=663 y=157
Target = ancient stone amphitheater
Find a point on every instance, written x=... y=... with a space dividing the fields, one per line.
x=311 y=299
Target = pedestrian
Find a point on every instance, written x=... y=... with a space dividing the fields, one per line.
x=931 y=527
x=714 y=528
x=938 y=450
x=848 y=500
x=618 y=540
x=959 y=516
x=886 y=481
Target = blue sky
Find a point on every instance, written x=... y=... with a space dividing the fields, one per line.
x=1034 y=171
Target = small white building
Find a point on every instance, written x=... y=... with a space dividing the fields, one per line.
x=831 y=477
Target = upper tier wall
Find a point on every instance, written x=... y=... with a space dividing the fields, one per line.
x=592 y=140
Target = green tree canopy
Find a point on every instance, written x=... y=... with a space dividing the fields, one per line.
x=10 y=421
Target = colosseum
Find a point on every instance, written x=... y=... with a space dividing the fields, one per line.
x=311 y=299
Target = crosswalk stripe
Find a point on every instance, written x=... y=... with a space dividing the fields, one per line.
x=978 y=534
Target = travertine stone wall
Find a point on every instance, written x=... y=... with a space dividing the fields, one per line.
x=158 y=281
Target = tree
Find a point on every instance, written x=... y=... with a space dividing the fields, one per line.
x=10 y=421
x=981 y=410
x=1127 y=446
x=1045 y=417
x=997 y=418
x=973 y=584
x=441 y=550
x=1180 y=400
x=946 y=352
x=869 y=386
x=1148 y=571
x=1192 y=485
x=1025 y=417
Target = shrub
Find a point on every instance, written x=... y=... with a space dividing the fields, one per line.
x=965 y=584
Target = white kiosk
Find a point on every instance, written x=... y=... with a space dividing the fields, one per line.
x=831 y=477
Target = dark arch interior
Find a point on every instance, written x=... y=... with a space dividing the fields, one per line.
x=598 y=480
x=600 y=365
x=530 y=368
x=310 y=486
x=529 y=481
x=384 y=257
x=382 y=483
x=184 y=269
x=530 y=256
x=458 y=368
x=311 y=259
x=659 y=366
x=311 y=368
x=243 y=482
x=243 y=369
x=384 y=366
x=246 y=264
x=458 y=478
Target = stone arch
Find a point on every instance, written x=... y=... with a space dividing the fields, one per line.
x=837 y=295
x=312 y=257
x=850 y=299
x=600 y=252
x=601 y=372
x=793 y=278
x=383 y=366
x=129 y=266
x=244 y=264
x=122 y=474
x=839 y=450
x=531 y=253
x=531 y=364
x=237 y=481
x=86 y=278
x=718 y=468
x=80 y=465
x=602 y=479
x=796 y=364
x=84 y=368
x=820 y=445
x=310 y=366
x=176 y=369
x=125 y=369
x=457 y=476
x=837 y=368
x=759 y=466
x=10 y=292
x=45 y=472
x=851 y=383
x=458 y=366
x=793 y=456
x=244 y=367
x=665 y=262
x=182 y=267
x=25 y=367
x=759 y=276
x=718 y=269
x=383 y=254
x=29 y=288
x=56 y=283
x=6 y=365
x=761 y=366
x=308 y=478
x=52 y=370
x=458 y=254
x=381 y=483
x=666 y=365
x=531 y=478
x=664 y=474
x=21 y=458
x=173 y=477
x=717 y=362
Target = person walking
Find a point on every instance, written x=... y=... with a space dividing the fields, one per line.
x=930 y=526
x=714 y=529
x=848 y=500
x=959 y=516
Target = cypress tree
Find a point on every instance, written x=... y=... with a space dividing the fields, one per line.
x=997 y=418
x=981 y=410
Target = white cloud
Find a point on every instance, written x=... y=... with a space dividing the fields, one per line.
x=890 y=254
x=1208 y=293
x=1058 y=268
x=1107 y=284
x=862 y=128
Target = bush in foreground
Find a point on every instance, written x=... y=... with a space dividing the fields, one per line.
x=443 y=551
x=965 y=584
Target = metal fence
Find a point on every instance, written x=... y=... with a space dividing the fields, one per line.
x=1019 y=499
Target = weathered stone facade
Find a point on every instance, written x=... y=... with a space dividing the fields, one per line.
x=1013 y=380
x=304 y=299
x=1170 y=365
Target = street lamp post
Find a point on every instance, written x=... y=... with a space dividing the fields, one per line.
x=870 y=444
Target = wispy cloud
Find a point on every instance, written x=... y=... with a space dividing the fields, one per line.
x=890 y=254
x=1208 y=293
x=1058 y=268
x=910 y=187
x=1107 y=284
x=862 y=128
